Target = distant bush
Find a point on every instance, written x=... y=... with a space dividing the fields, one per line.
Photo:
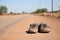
x=41 y=10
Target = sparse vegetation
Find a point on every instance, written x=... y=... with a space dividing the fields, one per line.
x=11 y=12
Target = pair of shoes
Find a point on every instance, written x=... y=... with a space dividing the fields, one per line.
x=41 y=28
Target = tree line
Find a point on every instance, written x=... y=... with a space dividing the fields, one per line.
x=3 y=10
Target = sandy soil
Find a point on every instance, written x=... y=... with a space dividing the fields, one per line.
x=17 y=31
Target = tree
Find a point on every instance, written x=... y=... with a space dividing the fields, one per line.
x=41 y=10
x=3 y=9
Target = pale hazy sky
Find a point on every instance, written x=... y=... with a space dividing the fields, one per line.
x=28 y=5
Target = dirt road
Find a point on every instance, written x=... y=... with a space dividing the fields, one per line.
x=17 y=31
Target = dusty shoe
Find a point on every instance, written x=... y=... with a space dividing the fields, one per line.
x=33 y=28
x=43 y=28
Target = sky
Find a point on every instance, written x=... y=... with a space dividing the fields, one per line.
x=29 y=5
